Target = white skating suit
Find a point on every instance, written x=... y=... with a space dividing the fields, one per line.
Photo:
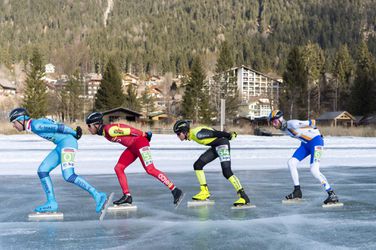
x=312 y=144
x=305 y=131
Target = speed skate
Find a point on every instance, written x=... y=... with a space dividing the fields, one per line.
x=247 y=206
x=122 y=208
x=335 y=204
x=46 y=216
x=293 y=201
x=105 y=206
x=198 y=203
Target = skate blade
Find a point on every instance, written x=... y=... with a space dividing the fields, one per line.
x=105 y=207
x=122 y=208
x=37 y=216
x=180 y=200
x=196 y=203
x=337 y=204
x=293 y=201
x=247 y=206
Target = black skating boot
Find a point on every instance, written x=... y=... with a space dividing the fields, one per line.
x=178 y=196
x=296 y=194
x=126 y=199
x=243 y=199
x=332 y=198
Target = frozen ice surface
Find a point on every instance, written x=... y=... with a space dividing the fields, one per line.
x=260 y=164
x=158 y=225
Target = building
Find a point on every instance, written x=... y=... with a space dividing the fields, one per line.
x=256 y=89
x=120 y=113
x=129 y=78
x=335 y=119
x=49 y=68
x=259 y=108
x=92 y=83
x=7 y=88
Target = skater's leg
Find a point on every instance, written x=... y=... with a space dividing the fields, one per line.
x=67 y=156
x=48 y=164
x=293 y=164
x=144 y=153
x=67 y=168
x=208 y=156
x=316 y=153
x=315 y=167
x=126 y=158
x=300 y=154
x=223 y=152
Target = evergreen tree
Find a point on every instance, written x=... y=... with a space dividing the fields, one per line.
x=35 y=100
x=364 y=89
x=131 y=100
x=342 y=73
x=110 y=94
x=226 y=84
x=295 y=80
x=147 y=101
x=74 y=90
x=314 y=61
x=195 y=104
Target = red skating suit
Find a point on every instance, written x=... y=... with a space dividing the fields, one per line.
x=137 y=147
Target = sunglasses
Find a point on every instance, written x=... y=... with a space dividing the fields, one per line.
x=276 y=122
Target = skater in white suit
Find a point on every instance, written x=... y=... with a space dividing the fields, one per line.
x=312 y=144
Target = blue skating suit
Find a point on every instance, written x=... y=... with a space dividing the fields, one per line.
x=64 y=154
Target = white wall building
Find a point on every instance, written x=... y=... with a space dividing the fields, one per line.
x=49 y=68
x=257 y=90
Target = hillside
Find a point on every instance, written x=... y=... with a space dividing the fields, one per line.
x=158 y=36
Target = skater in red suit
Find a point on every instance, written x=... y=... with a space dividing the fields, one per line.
x=137 y=143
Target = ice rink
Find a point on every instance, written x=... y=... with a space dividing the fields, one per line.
x=260 y=164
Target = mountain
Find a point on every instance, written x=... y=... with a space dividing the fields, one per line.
x=149 y=36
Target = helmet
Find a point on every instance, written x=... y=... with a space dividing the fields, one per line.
x=18 y=114
x=94 y=117
x=181 y=126
x=275 y=114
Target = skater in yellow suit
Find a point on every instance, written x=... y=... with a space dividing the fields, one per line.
x=219 y=147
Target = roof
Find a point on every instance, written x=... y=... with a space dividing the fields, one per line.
x=120 y=109
x=157 y=113
x=7 y=84
x=257 y=72
x=368 y=120
x=334 y=115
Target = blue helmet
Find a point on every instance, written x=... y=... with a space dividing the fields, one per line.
x=94 y=118
x=19 y=114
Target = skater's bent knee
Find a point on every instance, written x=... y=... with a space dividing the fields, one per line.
x=70 y=178
x=226 y=169
x=151 y=170
x=227 y=173
x=43 y=174
x=119 y=168
x=292 y=162
x=199 y=165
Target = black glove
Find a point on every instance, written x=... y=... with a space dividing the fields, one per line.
x=78 y=132
x=233 y=135
x=148 y=135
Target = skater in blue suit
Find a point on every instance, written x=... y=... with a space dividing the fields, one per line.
x=65 y=139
